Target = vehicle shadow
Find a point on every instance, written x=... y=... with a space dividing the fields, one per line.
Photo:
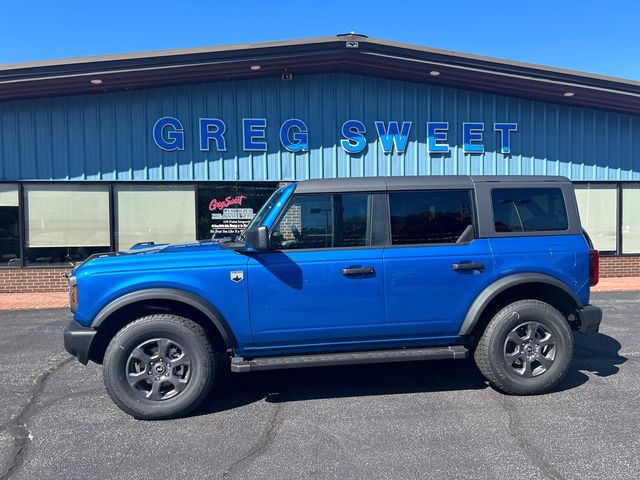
x=598 y=354
x=294 y=385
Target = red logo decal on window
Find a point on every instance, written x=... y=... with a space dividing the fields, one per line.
x=227 y=202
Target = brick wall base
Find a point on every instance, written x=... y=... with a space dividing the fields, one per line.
x=35 y=280
x=620 y=266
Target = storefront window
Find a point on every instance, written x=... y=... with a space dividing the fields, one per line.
x=65 y=223
x=154 y=213
x=631 y=219
x=226 y=209
x=9 y=226
x=598 y=206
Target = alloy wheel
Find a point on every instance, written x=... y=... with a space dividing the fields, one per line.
x=158 y=369
x=530 y=349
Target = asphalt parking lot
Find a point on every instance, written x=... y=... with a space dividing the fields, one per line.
x=418 y=420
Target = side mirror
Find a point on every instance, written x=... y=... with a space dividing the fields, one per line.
x=257 y=239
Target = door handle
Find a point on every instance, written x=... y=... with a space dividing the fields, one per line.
x=358 y=271
x=468 y=266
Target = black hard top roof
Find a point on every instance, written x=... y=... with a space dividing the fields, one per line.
x=423 y=182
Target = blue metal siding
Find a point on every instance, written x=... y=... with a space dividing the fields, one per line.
x=108 y=136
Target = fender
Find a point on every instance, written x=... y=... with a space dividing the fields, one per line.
x=170 y=294
x=499 y=286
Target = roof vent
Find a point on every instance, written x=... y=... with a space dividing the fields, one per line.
x=352 y=34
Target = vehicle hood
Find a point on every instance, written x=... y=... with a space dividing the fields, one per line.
x=178 y=255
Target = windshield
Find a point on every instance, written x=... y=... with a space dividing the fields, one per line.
x=264 y=211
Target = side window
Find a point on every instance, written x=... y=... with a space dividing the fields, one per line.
x=324 y=221
x=529 y=209
x=428 y=217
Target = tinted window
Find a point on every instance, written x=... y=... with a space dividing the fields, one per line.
x=429 y=217
x=324 y=221
x=9 y=237
x=9 y=226
x=529 y=209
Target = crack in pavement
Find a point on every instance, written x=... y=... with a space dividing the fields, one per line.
x=17 y=427
x=260 y=446
x=70 y=396
x=533 y=454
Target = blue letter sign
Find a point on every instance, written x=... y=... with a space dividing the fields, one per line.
x=173 y=138
x=393 y=136
x=505 y=130
x=472 y=132
x=437 y=133
x=353 y=141
x=253 y=134
x=299 y=141
x=206 y=134
x=169 y=135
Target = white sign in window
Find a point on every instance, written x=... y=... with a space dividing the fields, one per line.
x=67 y=215
x=154 y=213
x=597 y=205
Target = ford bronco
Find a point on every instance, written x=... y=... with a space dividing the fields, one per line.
x=346 y=271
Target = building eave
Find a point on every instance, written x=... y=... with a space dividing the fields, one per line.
x=326 y=54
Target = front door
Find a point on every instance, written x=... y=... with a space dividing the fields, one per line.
x=321 y=283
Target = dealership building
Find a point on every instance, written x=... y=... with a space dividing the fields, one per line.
x=100 y=153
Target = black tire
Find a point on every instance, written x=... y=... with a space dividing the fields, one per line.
x=169 y=391
x=516 y=363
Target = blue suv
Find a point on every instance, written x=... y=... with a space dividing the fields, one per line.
x=345 y=271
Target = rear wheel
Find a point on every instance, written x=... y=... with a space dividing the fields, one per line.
x=526 y=349
x=160 y=366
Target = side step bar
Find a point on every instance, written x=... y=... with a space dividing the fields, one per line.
x=241 y=365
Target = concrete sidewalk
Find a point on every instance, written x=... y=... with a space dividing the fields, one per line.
x=617 y=284
x=34 y=301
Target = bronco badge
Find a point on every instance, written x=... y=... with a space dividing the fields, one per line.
x=236 y=276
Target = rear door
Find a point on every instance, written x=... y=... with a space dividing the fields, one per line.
x=434 y=267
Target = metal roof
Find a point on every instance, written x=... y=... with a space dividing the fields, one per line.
x=352 y=53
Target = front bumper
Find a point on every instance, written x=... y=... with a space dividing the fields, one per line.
x=590 y=318
x=78 y=339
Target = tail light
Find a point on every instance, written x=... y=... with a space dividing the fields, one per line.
x=594 y=267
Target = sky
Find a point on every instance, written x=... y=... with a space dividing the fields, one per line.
x=591 y=36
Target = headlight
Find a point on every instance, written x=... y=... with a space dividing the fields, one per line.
x=73 y=294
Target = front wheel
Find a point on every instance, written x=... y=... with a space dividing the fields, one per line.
x=526 y=348
x=160 y=366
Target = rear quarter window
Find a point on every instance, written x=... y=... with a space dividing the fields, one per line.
x=529 y=210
